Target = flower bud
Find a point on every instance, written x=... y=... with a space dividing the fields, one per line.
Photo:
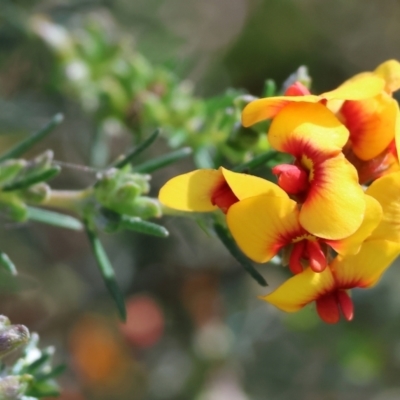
x=36 y=193
x=145 y=207
x=13 y=387
x=291 y=178
x=11 y=337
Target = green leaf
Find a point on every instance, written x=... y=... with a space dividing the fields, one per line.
x=54 y=218
x=139 y=225
x=56 y=371
x=163 y=161
x=107 y=271
x=137 y=150
x=26 y=144
x=230 y=244
x=32 y=179
x=40 y=362
x=7 y=264
x=256 y=161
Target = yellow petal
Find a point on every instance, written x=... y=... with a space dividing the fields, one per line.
x=335 y=204
x=261 y=225
x=366 y=267
x=372 y=124
x=191 y=191
x=372 y=217
x=263 y=109
x=307 y=128
x=390 y=72
x=244 y=185
x=361 y=86
x=387 y=191
x=301 y=289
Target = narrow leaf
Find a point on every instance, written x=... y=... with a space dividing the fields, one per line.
x=107 y=271
x=256 y=161
x=229 y=243
x=163 y=161
x=26 y=144
x=137 y=150
x=54 y=218
x=32 y=179
x=139 y=225
x=7 y=264
x=56 y=371
x=39 y=362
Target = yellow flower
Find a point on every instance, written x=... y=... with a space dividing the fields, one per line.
x=263 y=225
x=329 y=289
x=206 y=190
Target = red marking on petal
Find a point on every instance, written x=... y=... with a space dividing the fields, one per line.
x=316 y=256
x=328 y=309
x=223 y=197
x=295 y=257
x=297 y=89
x=291 y=178
x=346 y=304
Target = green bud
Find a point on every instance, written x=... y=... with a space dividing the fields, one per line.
x=10 y=168
x=13 y=387
x=13 y=206
x=145 y=207
x=37 y=193
x=142 y=180
x=126 y=194
x=11 y=337
x=43 y=161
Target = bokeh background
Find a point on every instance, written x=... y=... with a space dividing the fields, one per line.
x=195 y=328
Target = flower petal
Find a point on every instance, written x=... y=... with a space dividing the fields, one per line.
x=359 y=87
x=263 y=109
x=372 y=124
x=366 y=267
x=301 y=289
x=244 y=185
x=352 y=244
x=261 y=225
x=306 y=128
x=387 y=191
x=390 y=72
x=335 y=204
x=192 y=191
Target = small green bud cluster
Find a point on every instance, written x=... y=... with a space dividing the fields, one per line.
x=122 y=191
x=23 y=182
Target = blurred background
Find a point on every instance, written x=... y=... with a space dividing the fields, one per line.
x=195 y=327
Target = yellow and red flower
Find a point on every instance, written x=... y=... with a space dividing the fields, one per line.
x=329 y=289
x=263 y=225
x=325 y=183
x=206 y=190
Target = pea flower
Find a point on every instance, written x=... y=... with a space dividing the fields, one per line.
x=326 y=184
x=263 y=225
x=330 y=288
x=206 y=190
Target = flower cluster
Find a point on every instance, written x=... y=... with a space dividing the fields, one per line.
x=334 y=214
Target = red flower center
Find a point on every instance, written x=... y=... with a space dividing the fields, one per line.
x=307 y=250
x=292 y=179
x=329 y=306
x=223 y=197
